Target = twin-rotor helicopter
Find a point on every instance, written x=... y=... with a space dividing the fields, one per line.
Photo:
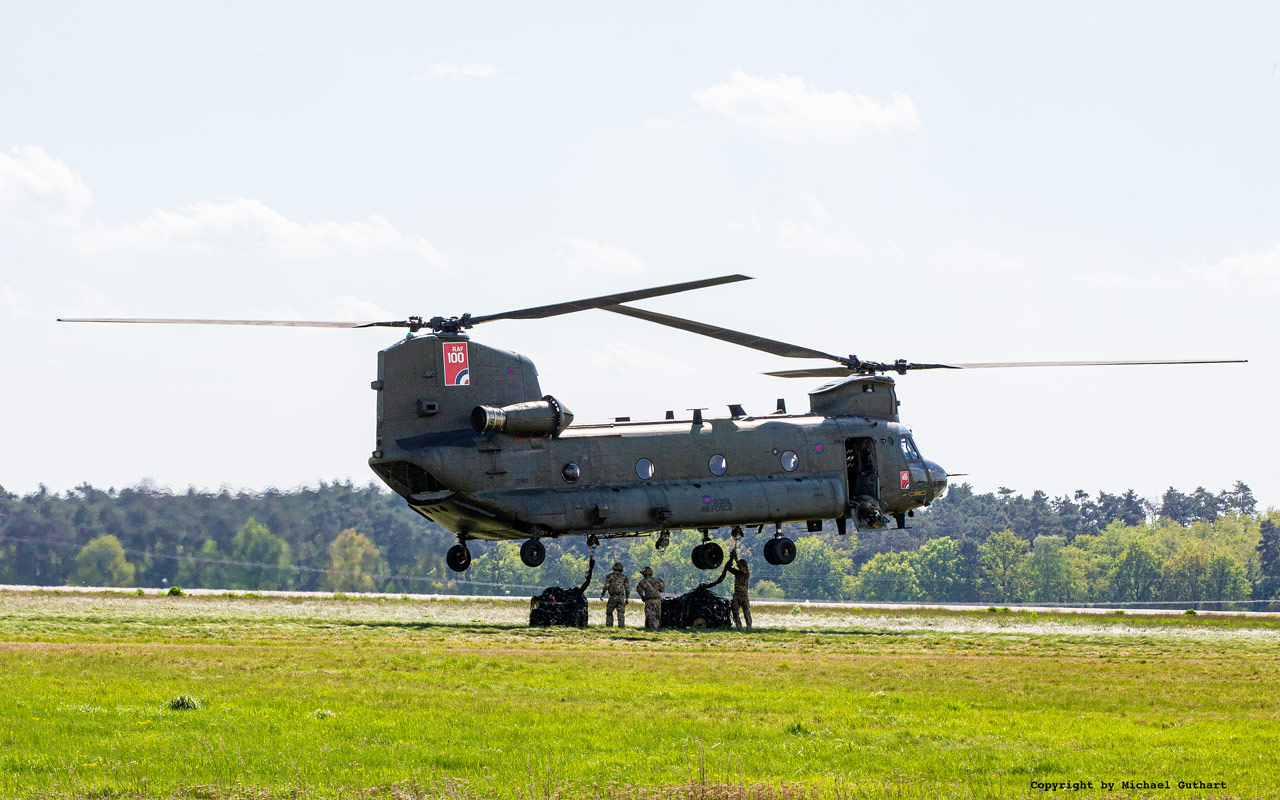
x=466 y=436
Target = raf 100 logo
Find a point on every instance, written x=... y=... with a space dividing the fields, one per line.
x=456 y=372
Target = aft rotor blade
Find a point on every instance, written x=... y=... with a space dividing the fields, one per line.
x=837 y=372
x=1002 y=364
x=286 y=323
x=773 y=346
x=555 y=309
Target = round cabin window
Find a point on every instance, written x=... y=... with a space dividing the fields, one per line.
x=790 y=461
x=717 y=465
x=644 y=469
x=571 y=472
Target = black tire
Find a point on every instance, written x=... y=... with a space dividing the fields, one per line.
x=771 y=551
x=458 y=558
x=532 y=553
x=696 y=557
x=712 y=555
x=784 y=550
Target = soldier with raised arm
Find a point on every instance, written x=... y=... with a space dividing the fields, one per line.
x=618 y=587
x=741 y=577
x=650 y=590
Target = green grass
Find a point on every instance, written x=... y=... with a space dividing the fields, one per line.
x=324 y=697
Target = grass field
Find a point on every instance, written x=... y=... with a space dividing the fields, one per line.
x=399 y=698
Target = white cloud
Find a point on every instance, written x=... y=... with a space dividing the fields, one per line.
x=444 y=72
x=1263 y=267
x=15 y=304
x=1260 y=269
x=800 y=223
x=806 y=226
x=38 y=190
x=356 y=310
x=786 y=107
x=623 y=359
x=585 y=255
x=666 y=122
x=239 y=223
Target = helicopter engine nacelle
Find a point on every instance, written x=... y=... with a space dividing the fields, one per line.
x=547 y=416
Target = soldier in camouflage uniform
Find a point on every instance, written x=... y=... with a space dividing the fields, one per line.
x=650 y=590
x=618 y=587
x=741 y=575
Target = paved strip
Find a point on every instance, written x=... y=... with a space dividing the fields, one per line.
x=1044 y=609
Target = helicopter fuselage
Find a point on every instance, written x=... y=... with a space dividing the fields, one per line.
x=629 y=477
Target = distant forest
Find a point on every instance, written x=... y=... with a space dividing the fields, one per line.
x=1196 y=548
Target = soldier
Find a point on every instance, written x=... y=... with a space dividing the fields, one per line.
x=741 y=575
x=618 y=587
x=650 y=590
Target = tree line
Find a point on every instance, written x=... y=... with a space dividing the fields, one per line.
x=997 y=547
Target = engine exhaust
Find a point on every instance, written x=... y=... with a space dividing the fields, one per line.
x=544 y=417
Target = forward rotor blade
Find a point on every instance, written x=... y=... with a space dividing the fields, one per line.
x=819 y=372
x=286 y=323
x=773 y=346
x=555 y=309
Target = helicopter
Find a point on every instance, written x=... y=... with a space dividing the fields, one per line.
x=466 y=436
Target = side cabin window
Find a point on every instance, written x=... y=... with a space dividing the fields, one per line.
x=909 y=449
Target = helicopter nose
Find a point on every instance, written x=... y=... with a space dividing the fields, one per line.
x=937 y=481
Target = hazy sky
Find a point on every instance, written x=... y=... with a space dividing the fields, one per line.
x=932 y=182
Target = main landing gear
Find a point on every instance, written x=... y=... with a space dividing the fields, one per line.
x=459 y=557
x=532 y=553
x=709 y=554
x=779 y=550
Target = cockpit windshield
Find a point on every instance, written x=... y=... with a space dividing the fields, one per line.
x=909 y=449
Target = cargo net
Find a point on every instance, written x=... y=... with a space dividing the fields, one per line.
x=701 y=608
x=559 y=605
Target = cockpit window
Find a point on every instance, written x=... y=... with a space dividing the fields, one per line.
x=909 y=449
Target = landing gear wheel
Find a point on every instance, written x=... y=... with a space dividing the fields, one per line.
x=458 y=558
x=696 y=556
x=771 y=551
x=532 y=553
x=712 y=555
x=784 y=550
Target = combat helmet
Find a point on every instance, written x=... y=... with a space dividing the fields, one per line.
x=647 y=572
x=617 y=566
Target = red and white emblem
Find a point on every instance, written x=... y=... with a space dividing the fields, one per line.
x=456 y=372
x=905 y=478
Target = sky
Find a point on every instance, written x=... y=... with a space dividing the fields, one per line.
x=1002 y=181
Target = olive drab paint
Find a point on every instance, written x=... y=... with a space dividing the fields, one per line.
x=628 y=477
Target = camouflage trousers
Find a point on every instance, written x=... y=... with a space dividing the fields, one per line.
x=740 y=601
x=653 y=613
x=618 y=604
